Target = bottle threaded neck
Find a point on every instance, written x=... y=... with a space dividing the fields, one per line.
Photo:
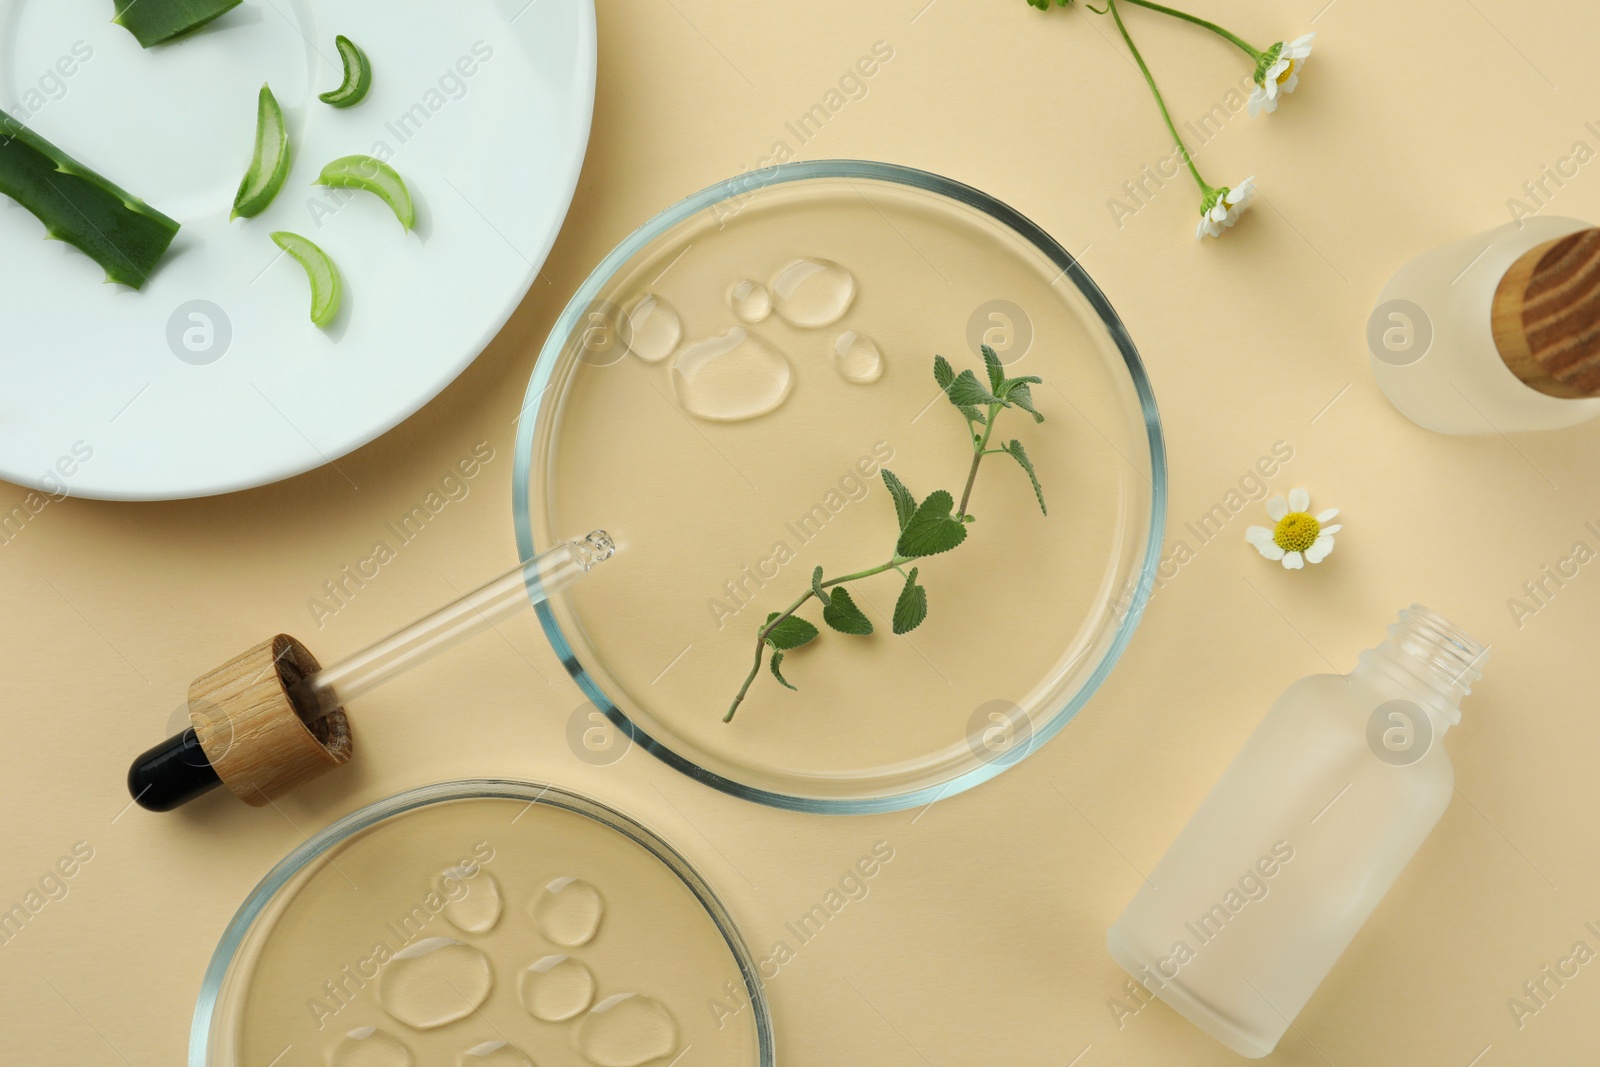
x=1435 y=651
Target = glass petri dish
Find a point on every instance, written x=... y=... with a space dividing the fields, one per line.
x=484 y=923
x=722 y=394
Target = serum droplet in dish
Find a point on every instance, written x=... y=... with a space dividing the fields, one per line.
x=732 y=377
x=568 y=912
x=367 y=1046
x=435 y=981
x=472 y=902
x=857 y=358
x=652 y=328
x=556 y=988
x=813 y=292
x=750 y=301
x=627 y=1030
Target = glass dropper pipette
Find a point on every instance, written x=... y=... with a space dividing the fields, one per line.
x=522 y=586
x=179 y=769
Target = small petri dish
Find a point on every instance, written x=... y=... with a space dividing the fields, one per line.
x=723 y=394
x=482 y=923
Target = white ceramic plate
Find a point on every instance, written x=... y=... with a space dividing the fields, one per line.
x=212 y=378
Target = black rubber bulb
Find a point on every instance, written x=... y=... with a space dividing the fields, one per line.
x=171 y=774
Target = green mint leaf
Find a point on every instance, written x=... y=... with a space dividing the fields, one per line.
x=904 y=503
x=777 y=658
x=912 y=607
x=1022 y=396
x=973 y=415
x=966 y=391
x=1003 y=390
x=816 y=585
x=933 y=529
x=843 y=615
x=790 y=633
x=943 y=373
x=996 y=369
x=1016 y=451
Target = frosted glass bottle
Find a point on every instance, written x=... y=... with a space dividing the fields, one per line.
x=1301 y=837
x=1439 y=347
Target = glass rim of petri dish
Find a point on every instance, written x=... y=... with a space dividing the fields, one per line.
x=221 y=988
x=1119 y=609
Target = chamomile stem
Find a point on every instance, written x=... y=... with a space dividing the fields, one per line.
x=1183 y=149
x=1253 y=53
x=766 y=631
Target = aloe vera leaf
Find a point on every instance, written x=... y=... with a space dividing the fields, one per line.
x=375 y=176
x=326 y=288
x=155 y=21
x=270 y=164
x=116 y=229
x=357 y=75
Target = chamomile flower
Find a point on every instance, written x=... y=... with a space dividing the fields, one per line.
x=1299 y=536
x=1279 y=72
x=1222 y=207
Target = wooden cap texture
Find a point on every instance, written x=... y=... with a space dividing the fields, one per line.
x=249 y=729
x=1546 y=316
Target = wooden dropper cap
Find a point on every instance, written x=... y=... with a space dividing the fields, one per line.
x=246 y=733
x=1546 y=316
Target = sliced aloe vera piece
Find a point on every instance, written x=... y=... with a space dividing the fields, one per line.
x=326 y=288
x=357 y=75
x=155 y=21
x=116 y=229
x=375 y=176
x=270 y=164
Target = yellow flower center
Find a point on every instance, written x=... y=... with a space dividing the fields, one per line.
x=1296 y=532
x=1288 y=71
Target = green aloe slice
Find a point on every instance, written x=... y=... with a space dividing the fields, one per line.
x=155 y=21
x=375 y=176
x=270 y=164
x=119 y=231
x=326 y=288
x=357 y=75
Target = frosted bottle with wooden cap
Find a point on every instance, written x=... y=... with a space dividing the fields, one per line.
x=1497 y=333
x=1304 y=833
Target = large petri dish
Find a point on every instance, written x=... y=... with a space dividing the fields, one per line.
x=722 y=395
x=482 y=923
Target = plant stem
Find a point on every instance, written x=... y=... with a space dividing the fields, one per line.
x=765 y=631
x=979 y=450
x=1253 y=53
x=1188 y=161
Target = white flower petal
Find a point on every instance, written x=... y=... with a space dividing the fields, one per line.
x=1289 y=83
x=1277 y=508
x=1335 y=528
x=1270 y=550
x=1327 y=515
x=1300 y=47
x=1258 y=535
x=1319 y=549
x=1299 y=499
x=1294 y=561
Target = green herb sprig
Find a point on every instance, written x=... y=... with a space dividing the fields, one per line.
x=934 y=526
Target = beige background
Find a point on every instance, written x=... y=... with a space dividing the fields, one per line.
x=982 y=942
